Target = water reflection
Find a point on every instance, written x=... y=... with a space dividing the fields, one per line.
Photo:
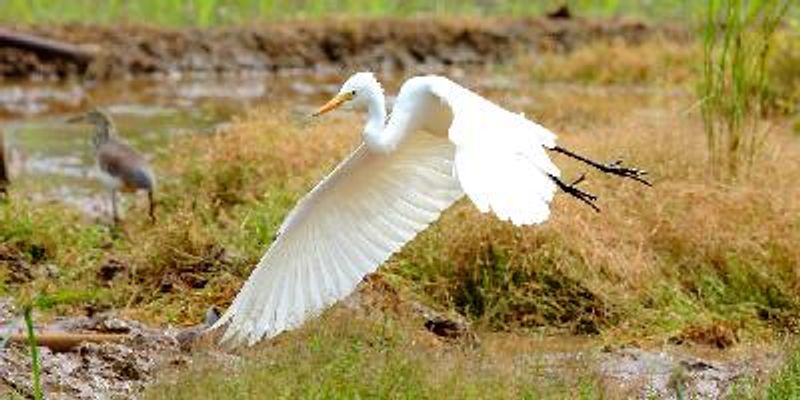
x=53 y=159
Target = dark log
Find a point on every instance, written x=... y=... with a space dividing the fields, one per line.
x=63 y=341
x=46 y=48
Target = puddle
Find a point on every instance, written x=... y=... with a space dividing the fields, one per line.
x=52 y=159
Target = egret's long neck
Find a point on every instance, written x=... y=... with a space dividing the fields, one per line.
x=376 y=119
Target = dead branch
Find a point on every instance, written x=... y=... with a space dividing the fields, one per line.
x=64 y=341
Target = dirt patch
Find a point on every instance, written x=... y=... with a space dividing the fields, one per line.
x=673 y=374
x=720 y=335
x=13 y=267
x=95 y=370
x=377 y=44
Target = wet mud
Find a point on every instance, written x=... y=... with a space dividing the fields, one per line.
x=118 y=51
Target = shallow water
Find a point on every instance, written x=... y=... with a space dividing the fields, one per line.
x=52 y=159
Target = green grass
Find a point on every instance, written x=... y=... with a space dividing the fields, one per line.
x=36 y=368
x=224 y=12
x=341 y=357
x=782 y=384
x=786 y=384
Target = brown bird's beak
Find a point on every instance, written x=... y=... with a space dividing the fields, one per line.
x=334 y=103
x=76 y=119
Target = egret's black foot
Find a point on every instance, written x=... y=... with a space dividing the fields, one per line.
x=616 y=168
x=572 y=190
x=613 y=168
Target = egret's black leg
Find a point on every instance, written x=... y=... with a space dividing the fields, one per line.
x=613 y=168
x=572 y=190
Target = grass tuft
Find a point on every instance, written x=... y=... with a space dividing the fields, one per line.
x=734 y=89
x=786 y=384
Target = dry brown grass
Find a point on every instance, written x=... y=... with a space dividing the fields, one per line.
x=653 y=61
x=656 y=261
x=688 y=253
x=218 y=216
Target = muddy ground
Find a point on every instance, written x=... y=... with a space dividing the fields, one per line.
x=377 y=44
x=123 y=369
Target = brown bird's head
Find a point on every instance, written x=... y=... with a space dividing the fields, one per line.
x=104 y=126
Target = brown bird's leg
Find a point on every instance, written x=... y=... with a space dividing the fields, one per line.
x=613 y=168
x=114 y=215
x=152 y=203
x=3 y=172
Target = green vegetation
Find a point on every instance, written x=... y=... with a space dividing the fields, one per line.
x=782 y=384
x=223 y=12
x=783 y=71
x=734 y=88
x=786 y=384
x=338 y=357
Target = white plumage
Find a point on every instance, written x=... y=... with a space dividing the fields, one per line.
x=441 y=142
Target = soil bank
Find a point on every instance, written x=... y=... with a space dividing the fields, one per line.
x=378 y=44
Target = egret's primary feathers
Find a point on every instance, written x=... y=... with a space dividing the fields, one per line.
x=441 y=142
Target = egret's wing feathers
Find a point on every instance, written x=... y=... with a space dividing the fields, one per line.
x=347 y=226
x=501 y=159
x=376 y=201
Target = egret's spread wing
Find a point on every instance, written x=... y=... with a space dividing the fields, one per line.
x=342 y=230
x=501 y=159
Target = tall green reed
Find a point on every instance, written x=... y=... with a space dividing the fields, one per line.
x=36 y=369
x=734 y=86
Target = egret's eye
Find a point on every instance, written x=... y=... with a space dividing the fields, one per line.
x=352 y=92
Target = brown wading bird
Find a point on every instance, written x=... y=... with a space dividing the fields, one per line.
x=121 y=167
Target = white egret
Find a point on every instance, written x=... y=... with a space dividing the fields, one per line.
x=441 y=142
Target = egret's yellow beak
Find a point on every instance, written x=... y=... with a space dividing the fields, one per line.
x=334 y=103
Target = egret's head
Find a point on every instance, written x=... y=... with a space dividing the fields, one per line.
x=357 y=91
